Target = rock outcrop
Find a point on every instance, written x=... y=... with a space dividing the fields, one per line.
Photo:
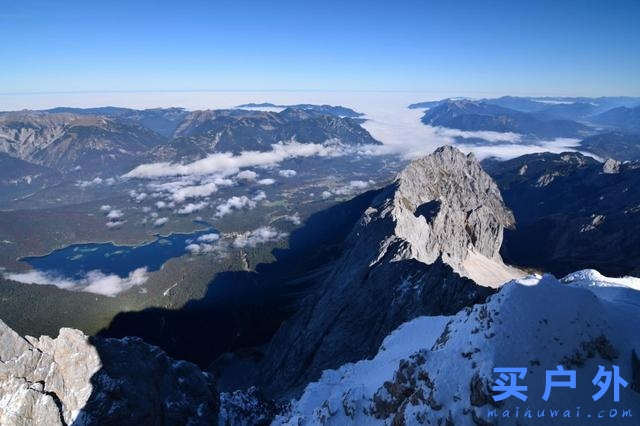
x=445 y=205
x=415 y=251
x=72 y=379
x=611 y=166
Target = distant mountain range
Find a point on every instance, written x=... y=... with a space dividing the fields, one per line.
x=570 y=108
x=481 y=115
x=609 y=126
x=338 y=111
x=114 y=139
x=241 y=130
x=622 y=117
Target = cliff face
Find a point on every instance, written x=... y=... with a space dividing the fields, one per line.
x=446 y=205
x=71 y=379
x=416 y=251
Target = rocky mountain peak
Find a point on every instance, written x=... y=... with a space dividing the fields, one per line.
x=421 y=248
x=445 y=205
x=611 y=166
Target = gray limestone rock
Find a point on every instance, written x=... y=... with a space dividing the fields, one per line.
x=72 y=379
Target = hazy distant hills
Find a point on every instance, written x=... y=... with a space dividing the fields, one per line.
x=609 y=126
x=161 y=120
x=112 y=139
x=622 y=117
x=338 y=111
x=64 y=141
x=619 y=145
x=481 y=115
x=571 y=108
x=239 y=130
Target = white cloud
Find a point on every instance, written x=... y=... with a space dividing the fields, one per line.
x=105 y=208
x=234 y=203
x=171 y=186
x=248 y=175
x=508 y=151
x=206 y=243
x=115 y=224
x=202 y=248
x=260 y=235
x=402 y=133
x=487 y=135
x=86 y=183
x=193 y=207
x=267 y=181
x=139 y=197
x=353 y=187
x=208 y=238
x=161 y=205
x=160 y=221
x=93 y=282
x=195 y=191
x=115 y=214
x=260 y=195
x=287 y=173
x=226 y=163
x=359 y=184
x=294 y=218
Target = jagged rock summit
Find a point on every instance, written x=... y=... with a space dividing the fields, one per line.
x=421 y=248
x=445 y=205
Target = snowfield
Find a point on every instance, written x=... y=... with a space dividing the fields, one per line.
x=439 y=370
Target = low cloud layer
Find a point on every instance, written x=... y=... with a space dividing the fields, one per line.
x=214 y=243
x=93 y=282
x=402 y=133
x=195 y=191
x=234 y=203
x=226 y=163
x=160 y=221
x=353 y=187
x=287 y=173
x=192 y=207
x=260 y=235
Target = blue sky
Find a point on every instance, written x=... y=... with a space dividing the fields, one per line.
x=541 y=47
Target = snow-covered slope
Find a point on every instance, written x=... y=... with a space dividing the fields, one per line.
x=438 y=370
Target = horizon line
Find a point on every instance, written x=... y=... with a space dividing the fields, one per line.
x=486 y=92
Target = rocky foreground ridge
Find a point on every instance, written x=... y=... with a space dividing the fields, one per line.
x=438 y=370
x=73 y=379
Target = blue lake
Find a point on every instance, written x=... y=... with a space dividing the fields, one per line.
x=76 y=260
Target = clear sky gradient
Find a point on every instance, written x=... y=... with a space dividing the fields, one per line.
x=532 y=47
